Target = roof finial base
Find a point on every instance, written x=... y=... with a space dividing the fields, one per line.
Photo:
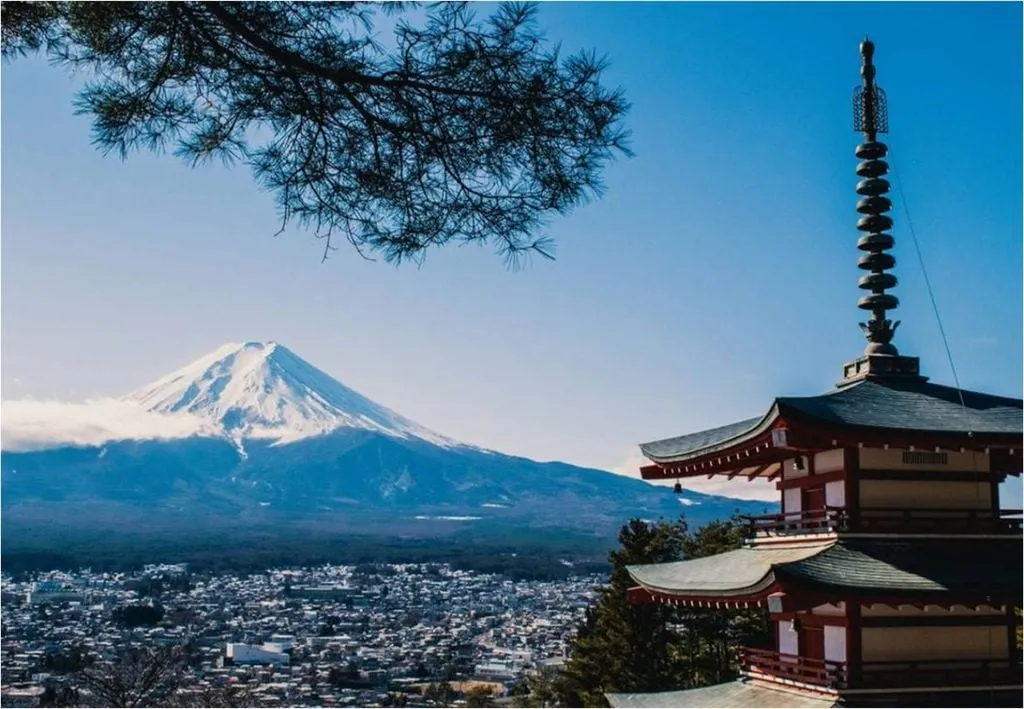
x=882 y=366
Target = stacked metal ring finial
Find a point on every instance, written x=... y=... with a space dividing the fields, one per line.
x=870 y=117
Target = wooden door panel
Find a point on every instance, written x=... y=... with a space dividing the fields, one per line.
x=812 y=641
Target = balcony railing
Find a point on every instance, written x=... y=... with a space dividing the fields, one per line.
x=882 y=520
x=792 y=668
x=936 y=673
x=897 y=674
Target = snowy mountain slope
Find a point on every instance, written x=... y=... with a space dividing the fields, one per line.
x=349 y=464
x=263 y=390
x=348 y=479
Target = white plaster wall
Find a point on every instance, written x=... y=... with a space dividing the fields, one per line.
x=790 y=472
x=908 y=494
x=791 y=499
x=966 y=643
x=835 y=643
x=832 y=609
x=835 y=494
x=828 y=461
x=788 y=639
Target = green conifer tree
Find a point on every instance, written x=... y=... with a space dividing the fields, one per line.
x=620 y=647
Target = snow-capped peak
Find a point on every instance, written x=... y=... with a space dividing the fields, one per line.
x=264 y=390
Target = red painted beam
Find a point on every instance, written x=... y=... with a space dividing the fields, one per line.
x=812 y=480
x=641 y=595
x=652 y=472
x=807 y=598
x=760 y=470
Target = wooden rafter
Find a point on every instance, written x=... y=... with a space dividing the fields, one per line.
x=759 y=470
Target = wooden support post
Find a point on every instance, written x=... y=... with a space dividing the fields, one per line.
x=854 y=649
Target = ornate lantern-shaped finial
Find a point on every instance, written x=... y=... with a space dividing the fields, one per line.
x=870 y=117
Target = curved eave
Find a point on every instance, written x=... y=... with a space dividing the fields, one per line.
x=757 y=453
x=867 y=413
x=743 y=575
x=735 y=441
x=640 y=595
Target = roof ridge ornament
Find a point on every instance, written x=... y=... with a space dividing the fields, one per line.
x=871 y=117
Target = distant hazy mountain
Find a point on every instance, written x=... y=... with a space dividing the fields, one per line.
x=277 y=442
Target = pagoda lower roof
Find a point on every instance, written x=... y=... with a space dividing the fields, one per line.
x=740 y=693
x=740 y=572
x=868 y=567
x=914 y=406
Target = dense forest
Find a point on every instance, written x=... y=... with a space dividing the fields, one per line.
x=524 y=554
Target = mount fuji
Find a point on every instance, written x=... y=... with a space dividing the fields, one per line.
x=263 y=390
x=264 y=440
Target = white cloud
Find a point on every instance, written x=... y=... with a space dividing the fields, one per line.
x=33 y=425
x=738 y=487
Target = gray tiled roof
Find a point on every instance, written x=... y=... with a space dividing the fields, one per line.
x=735 y=572
x=884 y=566
x=935 y=565
x=730 y=694
x=889 y=404
x=914 y=406
x=700 y=440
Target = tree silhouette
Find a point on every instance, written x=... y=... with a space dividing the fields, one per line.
x=144 y=676
x=148 y=676
x=59 y=695
x=137 y=615
x=479 y=697
x=621 y=647
x=457 y=129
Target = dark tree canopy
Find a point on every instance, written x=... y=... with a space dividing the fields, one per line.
x=134 y=616
x=455 y=129
x=621 y=647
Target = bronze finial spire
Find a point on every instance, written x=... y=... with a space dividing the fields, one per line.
x=870 y=117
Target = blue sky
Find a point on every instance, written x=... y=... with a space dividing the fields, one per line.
x=717 y=272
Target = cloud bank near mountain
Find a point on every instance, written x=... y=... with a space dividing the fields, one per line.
x=29 y=424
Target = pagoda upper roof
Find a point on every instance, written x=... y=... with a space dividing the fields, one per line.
x=875 y=567
x=913 y=405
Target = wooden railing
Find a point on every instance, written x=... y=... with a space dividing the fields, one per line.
x=884 y=520
x=771 y=665
x=794 y=668
x=936 y=673
x=829 y=519
x=935 y=521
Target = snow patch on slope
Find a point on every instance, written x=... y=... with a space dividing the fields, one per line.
x=262 y=390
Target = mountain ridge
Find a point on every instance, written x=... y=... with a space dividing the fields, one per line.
x=261 y=390
x=294 y=446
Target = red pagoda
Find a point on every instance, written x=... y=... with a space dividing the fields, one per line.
x=891 y=575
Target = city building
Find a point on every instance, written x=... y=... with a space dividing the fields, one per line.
x=54 y=592
x=891 y=574
x=243 y=654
